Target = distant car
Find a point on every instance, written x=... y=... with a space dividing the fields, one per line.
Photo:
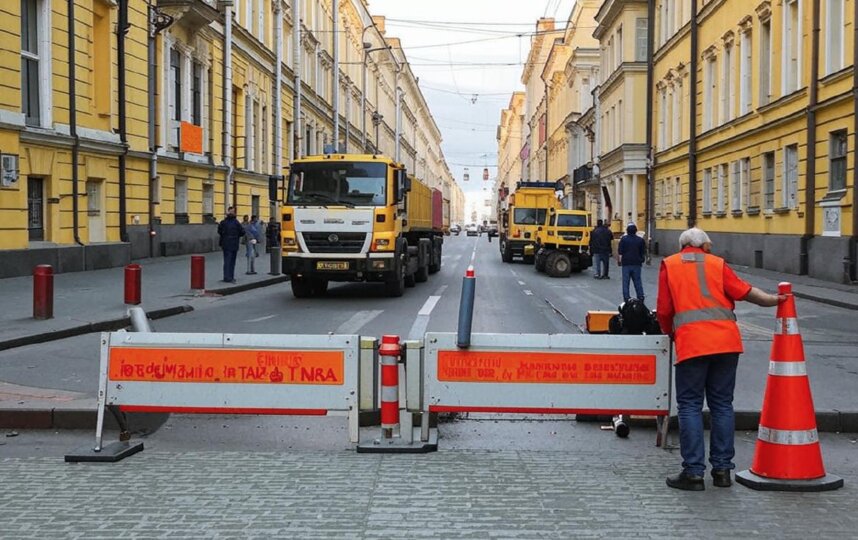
x=455 y=228
x=472 y=230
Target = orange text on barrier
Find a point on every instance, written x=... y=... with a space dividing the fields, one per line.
x=545 y=368
x=226 y=366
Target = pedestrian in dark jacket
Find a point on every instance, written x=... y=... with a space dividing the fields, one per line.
x=630 y=255
x=600 y=248
x=231 y=232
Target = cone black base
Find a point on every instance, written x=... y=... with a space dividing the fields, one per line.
x=829 y=482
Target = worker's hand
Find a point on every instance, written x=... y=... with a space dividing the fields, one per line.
x=782 y=298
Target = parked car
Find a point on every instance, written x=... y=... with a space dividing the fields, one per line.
x=473 y=230
x=455 y=228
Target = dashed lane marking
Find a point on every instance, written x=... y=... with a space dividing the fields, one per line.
x=428 y=306
x=260 y=319
x=357 y=321
x=528 y=293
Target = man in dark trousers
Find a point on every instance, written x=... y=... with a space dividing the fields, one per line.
x=630 y=255
x=600 y=248
x=231 y=233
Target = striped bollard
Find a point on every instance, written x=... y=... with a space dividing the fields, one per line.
x=389 y=353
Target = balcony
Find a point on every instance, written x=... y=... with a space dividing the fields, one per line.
x=192 y=14
x=582 y=175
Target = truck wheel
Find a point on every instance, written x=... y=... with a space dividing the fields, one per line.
x=506 y=252
x=301 y=287
x=422 y=273
x=410 y=280
x=558 y=264
x=435 y=259
x=539 y=262
x=395 y=286
x=320 y=287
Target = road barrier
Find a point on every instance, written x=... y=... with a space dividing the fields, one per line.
x=226 y=374
x=547 y=374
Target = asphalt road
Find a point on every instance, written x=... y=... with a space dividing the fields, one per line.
x=511 y=298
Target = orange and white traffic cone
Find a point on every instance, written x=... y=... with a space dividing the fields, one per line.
x=788 y=455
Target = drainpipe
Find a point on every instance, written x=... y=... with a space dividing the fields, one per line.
x=227 y=103
x=692 y=133
x=278 y=103
x=73 y=123
x=122 y=28
x=810 y=176
x=153 y=144
x=398 y=115
x=296 y=72
x=650 y=155
x=853 y=271
x=335 y=96
x=547 y=136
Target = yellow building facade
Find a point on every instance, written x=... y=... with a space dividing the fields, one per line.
x=763 y=157
x=204 y=125
x=510 y=140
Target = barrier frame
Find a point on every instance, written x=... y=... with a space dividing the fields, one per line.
x=546 y=397
x=214 y=398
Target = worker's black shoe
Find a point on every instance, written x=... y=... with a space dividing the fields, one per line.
x=721 y=478
x=685 y=481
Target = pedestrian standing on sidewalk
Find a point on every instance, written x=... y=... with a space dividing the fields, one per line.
x=630 y=255
x=230 y=232
x=697 y=292
x=601 y=239
x=251 y=239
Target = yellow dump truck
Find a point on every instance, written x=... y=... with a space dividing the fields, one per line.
x=527 y=211
x=359 y=218
x=563 y=243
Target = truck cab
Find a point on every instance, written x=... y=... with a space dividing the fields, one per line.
x=563 y=243
x=527 y=211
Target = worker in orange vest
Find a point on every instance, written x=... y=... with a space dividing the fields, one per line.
x=697 y=292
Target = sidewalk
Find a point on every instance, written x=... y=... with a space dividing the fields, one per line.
x=93 y=301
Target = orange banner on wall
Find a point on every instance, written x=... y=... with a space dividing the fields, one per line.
x=191 y=138
x=545 y=368
x=227 y=366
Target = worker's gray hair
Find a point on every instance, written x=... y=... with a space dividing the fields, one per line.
x=693 y=237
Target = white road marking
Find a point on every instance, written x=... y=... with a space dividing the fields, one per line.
x=511 y=271
x=260 y=319
x=521 y=282
x=357 y=321
x=441 y=290
x=528 y=293
x=428 y=306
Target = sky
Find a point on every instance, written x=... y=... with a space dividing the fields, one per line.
x=468 y=84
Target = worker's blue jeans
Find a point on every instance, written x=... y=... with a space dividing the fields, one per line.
x=715 y=377
x=632 y=272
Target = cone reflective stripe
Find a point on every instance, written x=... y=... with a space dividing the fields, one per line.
x=787 y=456
x=389 y=352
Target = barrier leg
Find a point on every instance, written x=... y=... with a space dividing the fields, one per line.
x=397 y=430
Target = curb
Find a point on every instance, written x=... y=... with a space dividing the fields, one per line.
x=98 y=326
x=226 y=291
x=85 y=418
x=822 y=300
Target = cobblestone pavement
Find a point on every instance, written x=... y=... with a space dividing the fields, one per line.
x=599 y=486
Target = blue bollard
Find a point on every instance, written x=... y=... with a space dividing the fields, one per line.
x=466 y=309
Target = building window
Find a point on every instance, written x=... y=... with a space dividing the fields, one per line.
x=36 y=74
x=181 y=196
x=745 y=63
x=662 y=118
x=254 y=205
x=837 y=169
x=735 y=187
x=790 y=180
x=677 y=197
x=765 y=77
x=834 y=34
x=769 y=180
x=722 y=179
x=175 y=85
x=727 y=85
x=709 y=82
x=745 y=172
x=619 y=45
x=197 y=95
x=641 y=36
x=676 y=116
x=208 y=200
x=707 y=190
x=791 y=46
x=264 y=150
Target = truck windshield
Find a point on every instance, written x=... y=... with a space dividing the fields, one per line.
x=565 y=220
x=345 y=183
x=529 y=216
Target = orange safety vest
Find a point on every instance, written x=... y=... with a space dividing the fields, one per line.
x=703 y=321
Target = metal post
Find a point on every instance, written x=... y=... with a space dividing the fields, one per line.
x=363 y=98
x=139 y=320
x=466 y=309
x=336 y=90
x=389 y=352
x=43 y=292
x=296 y=71
x=398 y=118
x=227 y=104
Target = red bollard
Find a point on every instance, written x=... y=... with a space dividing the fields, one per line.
x=43 y=292
x=389 y=352
x=198 y=272
x=133 y=284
